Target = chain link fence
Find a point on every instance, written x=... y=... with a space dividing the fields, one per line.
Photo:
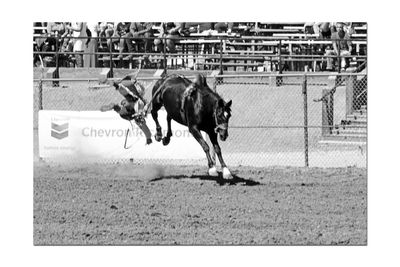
x=314 y=120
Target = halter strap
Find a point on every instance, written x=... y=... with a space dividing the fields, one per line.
x=222 y=126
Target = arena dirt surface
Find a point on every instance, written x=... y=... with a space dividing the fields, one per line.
x=128 y=204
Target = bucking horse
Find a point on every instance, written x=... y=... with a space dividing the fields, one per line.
x=196 y=106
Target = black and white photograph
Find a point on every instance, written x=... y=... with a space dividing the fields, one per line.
x=208 y=133
x=200 y=133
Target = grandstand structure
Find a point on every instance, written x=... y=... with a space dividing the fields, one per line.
x=257 y=47
x=262 y=47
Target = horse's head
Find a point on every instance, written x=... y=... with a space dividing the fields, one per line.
x=222 y=115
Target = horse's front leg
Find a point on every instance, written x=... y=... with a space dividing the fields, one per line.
x=225 y=171
x=154 y=114
x=197 y=135
x=167 y=138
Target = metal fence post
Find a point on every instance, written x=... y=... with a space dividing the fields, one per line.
x=40 y=95
x=279 y=78
x=56 y=73
x=165 y=54
x=304 y=89
x=111 y=59
x=350 y=82
x=339 y=58
x=220 y=58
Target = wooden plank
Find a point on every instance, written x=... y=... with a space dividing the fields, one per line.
x=249 y=58
x=359 y=35
x=263 y=43
x=282 y=23
x=361 y=28
x=299 y=28
x=187 y=41
x=275 y=30
x=231 y=64
x=249 y=52
x=294 y=35
x=218 y=34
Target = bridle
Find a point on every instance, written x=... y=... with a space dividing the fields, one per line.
x=220 y=126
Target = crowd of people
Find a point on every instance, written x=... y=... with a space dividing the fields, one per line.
x=78 y=42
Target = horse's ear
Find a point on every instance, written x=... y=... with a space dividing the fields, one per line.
x=200 y=80
x=229 y=104
x=221 y=103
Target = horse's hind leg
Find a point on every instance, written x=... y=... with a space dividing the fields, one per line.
x=167 y=138
x=154 y=114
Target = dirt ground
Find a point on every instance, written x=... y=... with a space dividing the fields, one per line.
x=128 y=204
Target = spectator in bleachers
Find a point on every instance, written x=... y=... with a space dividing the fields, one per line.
x=322 y=29
x=90 y=59
x=55 y=28
x=139 y=31
x=55 y=36
x=121 y=29
x=67 y=46
x=347 y=26
x=204 y=28
x=79 y=31
x=169 y=30
x=54 y=32
x=223 y=27
x=341 y=46
x=106 y=30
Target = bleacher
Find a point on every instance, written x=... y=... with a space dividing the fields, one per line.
x=251 y=47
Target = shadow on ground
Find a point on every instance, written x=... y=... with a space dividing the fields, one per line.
x=219 y=179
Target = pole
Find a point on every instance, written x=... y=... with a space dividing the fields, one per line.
x=305 y=120
x=165 y=54
x=279 y=78
x=220 y=58
x=56 y=73
x=111 y=59
x=40 y=95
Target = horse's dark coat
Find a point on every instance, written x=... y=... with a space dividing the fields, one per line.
x=195 y=105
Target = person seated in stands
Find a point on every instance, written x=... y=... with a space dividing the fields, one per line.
x=121 y=29
x=341 y=46
x=246 y=27
x=80 y=34
x=170 y=30
x=322 y=29
x=203 y=28
x=67 y=46
x=140 y=31
x=223 y=27
x=106 y=31
x=54 y=32
x=54 y=38
x=347 y=26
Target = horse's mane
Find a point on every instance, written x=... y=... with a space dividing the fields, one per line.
x=205 y=90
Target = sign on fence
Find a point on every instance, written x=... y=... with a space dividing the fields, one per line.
x=95 y=135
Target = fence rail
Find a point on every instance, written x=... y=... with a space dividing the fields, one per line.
x=280 y=52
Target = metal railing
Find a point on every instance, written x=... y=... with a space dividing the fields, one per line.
x=278 y=57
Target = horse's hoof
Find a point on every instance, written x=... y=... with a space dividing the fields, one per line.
x=158 y=138
x=165 y=141
x=213 y=171
x=226 y=174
